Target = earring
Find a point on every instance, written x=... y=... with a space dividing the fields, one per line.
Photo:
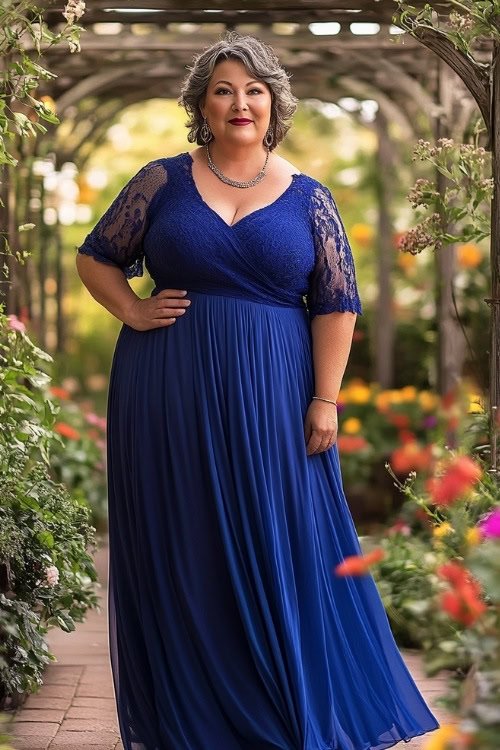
x=205 y=132
x=269 y=138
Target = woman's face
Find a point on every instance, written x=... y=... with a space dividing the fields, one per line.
x=233 y=93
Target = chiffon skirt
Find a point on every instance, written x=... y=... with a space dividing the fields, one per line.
x=228 y=629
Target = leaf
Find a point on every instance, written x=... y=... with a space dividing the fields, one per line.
x=46 y=538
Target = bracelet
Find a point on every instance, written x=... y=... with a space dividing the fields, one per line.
x=325 y=399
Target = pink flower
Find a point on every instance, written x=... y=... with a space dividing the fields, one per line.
x=52 y=575
x=15 y=324
x=490 y=525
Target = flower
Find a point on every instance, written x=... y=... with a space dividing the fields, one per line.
x=399 y=527
x=74 y=10
x=351 y=426
x=489 y=526
x=15 y=324
x=473 y=536
x=441 y=736
x=469 y=256
x=61 y=393
x=442 y=529
x=356 y=565
x=463 y=602
x=362 y=234
x=66 y=430
x=351 y=443
x=52 y=575
x=459 y=476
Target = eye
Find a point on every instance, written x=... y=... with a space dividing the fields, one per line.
x=218 y=91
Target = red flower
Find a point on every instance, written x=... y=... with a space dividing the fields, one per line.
x=463 y=603
x=399 y=420
x=356 y=565
x=66 y=430
x=59 y=392
x=461 y=473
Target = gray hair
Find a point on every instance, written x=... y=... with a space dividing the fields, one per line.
x=261 y=62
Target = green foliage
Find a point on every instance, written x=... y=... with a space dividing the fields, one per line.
x=22 y=27
x=47 y=572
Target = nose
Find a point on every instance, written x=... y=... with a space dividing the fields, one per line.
x=239 y=102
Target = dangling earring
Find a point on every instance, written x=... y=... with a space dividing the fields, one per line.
x=269 y=137
x=205 y=132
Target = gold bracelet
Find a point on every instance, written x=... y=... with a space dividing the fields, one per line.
x=325 y=399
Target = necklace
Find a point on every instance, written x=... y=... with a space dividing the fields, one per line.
x=236 y=183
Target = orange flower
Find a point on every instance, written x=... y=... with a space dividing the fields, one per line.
x=461 y=473
x=356 y=565
x=351 y=443
x=411 y=456
x=469 y=256
x=66 y=430
x=59 y=392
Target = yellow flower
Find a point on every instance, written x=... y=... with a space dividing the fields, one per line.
x=473 y=536
x=409 y=393
x=469 y=256
x=442 y=529
x=427 y=400
x=383 y=400
x=362 y=233
x=475 y=405
x=359 y=394
x=440 y=737
x=351 y=425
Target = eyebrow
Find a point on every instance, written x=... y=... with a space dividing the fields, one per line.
x=254 y=80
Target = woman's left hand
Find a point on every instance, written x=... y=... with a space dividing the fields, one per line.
x=320 y=426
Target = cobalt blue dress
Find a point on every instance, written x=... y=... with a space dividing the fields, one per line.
x=228 y=629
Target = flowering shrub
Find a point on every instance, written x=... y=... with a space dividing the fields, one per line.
x=401 y=425
x=463 y=203
x=47 y=574
x=438 y=572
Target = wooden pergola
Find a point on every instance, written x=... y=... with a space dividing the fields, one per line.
x=133 y=51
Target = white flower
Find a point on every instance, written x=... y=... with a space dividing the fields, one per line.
x=74 y=9
x=52 y=575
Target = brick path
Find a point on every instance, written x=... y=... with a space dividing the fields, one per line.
x=75 y=707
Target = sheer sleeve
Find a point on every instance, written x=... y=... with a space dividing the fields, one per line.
x=332 y=282
x=117 y=237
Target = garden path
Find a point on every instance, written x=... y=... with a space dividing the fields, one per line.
x=75 y=707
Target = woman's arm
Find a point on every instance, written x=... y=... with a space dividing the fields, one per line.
x=113 y=252
x=331 y=345
x=108 y=285
x=333 y=303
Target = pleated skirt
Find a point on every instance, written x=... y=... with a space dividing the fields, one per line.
x=228 y=628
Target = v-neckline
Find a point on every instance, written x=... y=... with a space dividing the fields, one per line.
x=189 y=170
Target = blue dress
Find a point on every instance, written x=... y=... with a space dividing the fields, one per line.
x=228 y=629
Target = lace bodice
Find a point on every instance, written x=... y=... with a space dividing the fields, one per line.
x=293 y=249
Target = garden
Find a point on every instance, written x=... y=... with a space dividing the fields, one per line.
x=418 y=416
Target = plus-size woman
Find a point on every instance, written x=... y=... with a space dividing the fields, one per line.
x=228 y=628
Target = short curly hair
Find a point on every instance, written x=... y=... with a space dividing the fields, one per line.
x=261 y=62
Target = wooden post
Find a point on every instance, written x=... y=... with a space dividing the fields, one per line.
x=494 y=300
x=384 y=322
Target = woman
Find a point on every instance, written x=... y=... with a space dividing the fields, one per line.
x=228 y=628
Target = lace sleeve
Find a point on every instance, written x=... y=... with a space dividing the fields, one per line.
x=117 y=237
x=332 y=282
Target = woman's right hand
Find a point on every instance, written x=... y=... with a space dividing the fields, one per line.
x=160 y=310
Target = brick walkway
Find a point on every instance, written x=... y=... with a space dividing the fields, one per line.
x=75 y=707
